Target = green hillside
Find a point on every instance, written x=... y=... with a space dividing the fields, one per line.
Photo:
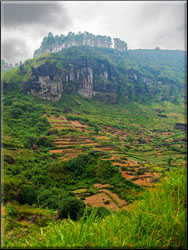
x=95 y=127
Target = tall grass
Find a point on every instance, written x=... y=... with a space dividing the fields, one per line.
x=158 y=221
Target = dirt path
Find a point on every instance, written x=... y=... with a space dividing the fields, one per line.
x=2 y=219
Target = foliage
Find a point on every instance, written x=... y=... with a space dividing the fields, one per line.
x=158 y=221
x=19 y=189
x=71 y=207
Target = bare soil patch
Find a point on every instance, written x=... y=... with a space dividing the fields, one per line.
x=143 y=182
x=99 y=200
x=2 y=219
x=126 y=175
x=120 y=164
x=102 y=137
x=78 y=124
x=114 y=197
x=99 y=186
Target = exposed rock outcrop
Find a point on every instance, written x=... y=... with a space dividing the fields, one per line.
x=84 y=77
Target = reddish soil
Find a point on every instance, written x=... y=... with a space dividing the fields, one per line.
x=98 y=200
x=56 y=151
x=143 y=182
x=115 y=197
x=145 y=179
x=114 y=158
x=127 y=176
x=120 y=164
x=2 y=219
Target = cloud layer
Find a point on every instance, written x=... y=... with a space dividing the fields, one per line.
x=141 y=24
x=48 y=15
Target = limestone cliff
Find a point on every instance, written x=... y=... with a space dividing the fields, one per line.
x=83 y=77
x=105 y=74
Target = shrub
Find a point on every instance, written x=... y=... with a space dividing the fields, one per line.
x=71 y=207
x=29 y=141
x=11 y=211
x=123 y=168
x=19 y=190
x=44 y=141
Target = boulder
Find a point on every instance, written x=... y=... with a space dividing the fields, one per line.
x=35 y=147
x=67 y=110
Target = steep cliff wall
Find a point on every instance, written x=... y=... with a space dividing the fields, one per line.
x=105 y=74
x=86 y=78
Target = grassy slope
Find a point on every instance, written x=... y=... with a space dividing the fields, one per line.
x=158 y=221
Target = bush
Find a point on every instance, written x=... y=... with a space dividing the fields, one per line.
x=52 y=132
x=102 y=212
x=11 y=211
x=44 y=141
x=123 y=168
x=19 y=190
x=71 y=207
x=29 y=141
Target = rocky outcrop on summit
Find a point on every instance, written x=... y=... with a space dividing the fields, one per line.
x=52 y=44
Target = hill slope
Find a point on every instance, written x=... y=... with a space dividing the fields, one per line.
x=105 y=74
x=91 y=126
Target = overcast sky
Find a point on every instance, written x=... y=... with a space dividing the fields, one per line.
x=142 y=24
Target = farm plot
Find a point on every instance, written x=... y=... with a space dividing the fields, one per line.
x=104 y=198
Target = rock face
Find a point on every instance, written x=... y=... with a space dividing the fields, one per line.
x=45 y=82
x=84 y=77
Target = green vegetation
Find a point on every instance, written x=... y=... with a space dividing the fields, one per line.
x=59 y=157
x=158 y=221
x=51 y=42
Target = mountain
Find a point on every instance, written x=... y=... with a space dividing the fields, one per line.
x=105 y=74
x=89 y=127
x=55 y=44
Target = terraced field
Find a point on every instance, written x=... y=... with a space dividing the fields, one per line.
x=140 y=172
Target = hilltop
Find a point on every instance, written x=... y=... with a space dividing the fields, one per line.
x=56 y=43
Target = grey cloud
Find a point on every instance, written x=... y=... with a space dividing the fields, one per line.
x=153 y=10
x=34 y=14
x=14 y=49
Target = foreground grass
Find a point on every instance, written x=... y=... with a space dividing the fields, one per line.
x=158 y=221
